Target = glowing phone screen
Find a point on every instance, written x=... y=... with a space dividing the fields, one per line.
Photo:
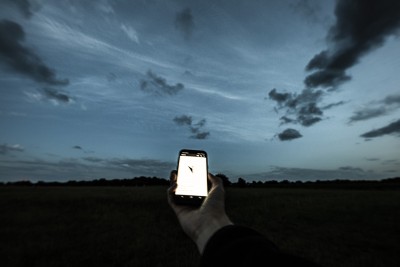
x=192 y=174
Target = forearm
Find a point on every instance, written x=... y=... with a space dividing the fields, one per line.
x=202 y=235
x=241 y=246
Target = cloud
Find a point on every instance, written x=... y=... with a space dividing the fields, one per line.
x=311 y=10
x=183 y=120
x=350 y=168
x=144 y=166
x=195 y=128
x=289 y=134
x=381 y=108
x=332 y=105
x=6 y=148
x=81 y=169
x=24 y=6
x=157 y=85
x=372 y=159
x=361 y=26
x=56 y=95
x=302 y=106
x=184 y=23
x=392 y=128
x=130 y=32
x=77 y=147
x=52 y=95
x=111 y=77
x=305 y=174
x=22 y=59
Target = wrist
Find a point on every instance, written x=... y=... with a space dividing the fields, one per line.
x=205 y=233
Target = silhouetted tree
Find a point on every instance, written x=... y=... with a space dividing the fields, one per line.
x=224 y=179
x=241 y=182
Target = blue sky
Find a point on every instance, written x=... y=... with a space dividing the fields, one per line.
x=298 y=90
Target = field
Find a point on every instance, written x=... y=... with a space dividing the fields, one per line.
x=134 y=226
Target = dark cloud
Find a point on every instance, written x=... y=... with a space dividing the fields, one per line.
x=289 y=134
x=377 y=109
x=367 y=113
x=195 y=128
x=77 y=147
x=300 y=108
x=361 y=26
x=53 y=94
x=183 y=120
x=286 y=119
x=6 y=148
x=24 y=6
x=157 y=85
x=200 y=135
x=392 y=128
x=332 y=105
x=184 y=23
x=281 y=98
x=22 y=59
x=392 y=99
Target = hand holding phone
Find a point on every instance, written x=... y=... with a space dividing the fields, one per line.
x=191 y=177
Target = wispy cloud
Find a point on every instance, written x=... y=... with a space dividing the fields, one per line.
x=130 y=32
x=77 y=40
x=81 y=169
x=377 y=109
x=52 y=95
x=6 y=148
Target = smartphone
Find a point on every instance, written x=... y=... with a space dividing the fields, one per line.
x=192 y=175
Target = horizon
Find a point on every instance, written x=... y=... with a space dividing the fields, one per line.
x=237 y=181
x=305 y=90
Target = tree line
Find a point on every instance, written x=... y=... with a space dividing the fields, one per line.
x=389 y=183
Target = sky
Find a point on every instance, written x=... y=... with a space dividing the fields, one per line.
x=272 y=90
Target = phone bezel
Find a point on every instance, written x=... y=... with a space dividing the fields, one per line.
x=192 y=200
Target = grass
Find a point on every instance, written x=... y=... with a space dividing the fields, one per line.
x=133 y=226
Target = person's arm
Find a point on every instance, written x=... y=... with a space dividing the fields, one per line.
x=200 y=223
x=235 y=245
x=219 y=241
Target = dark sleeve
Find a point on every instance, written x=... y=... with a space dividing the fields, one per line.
x=241 y=246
